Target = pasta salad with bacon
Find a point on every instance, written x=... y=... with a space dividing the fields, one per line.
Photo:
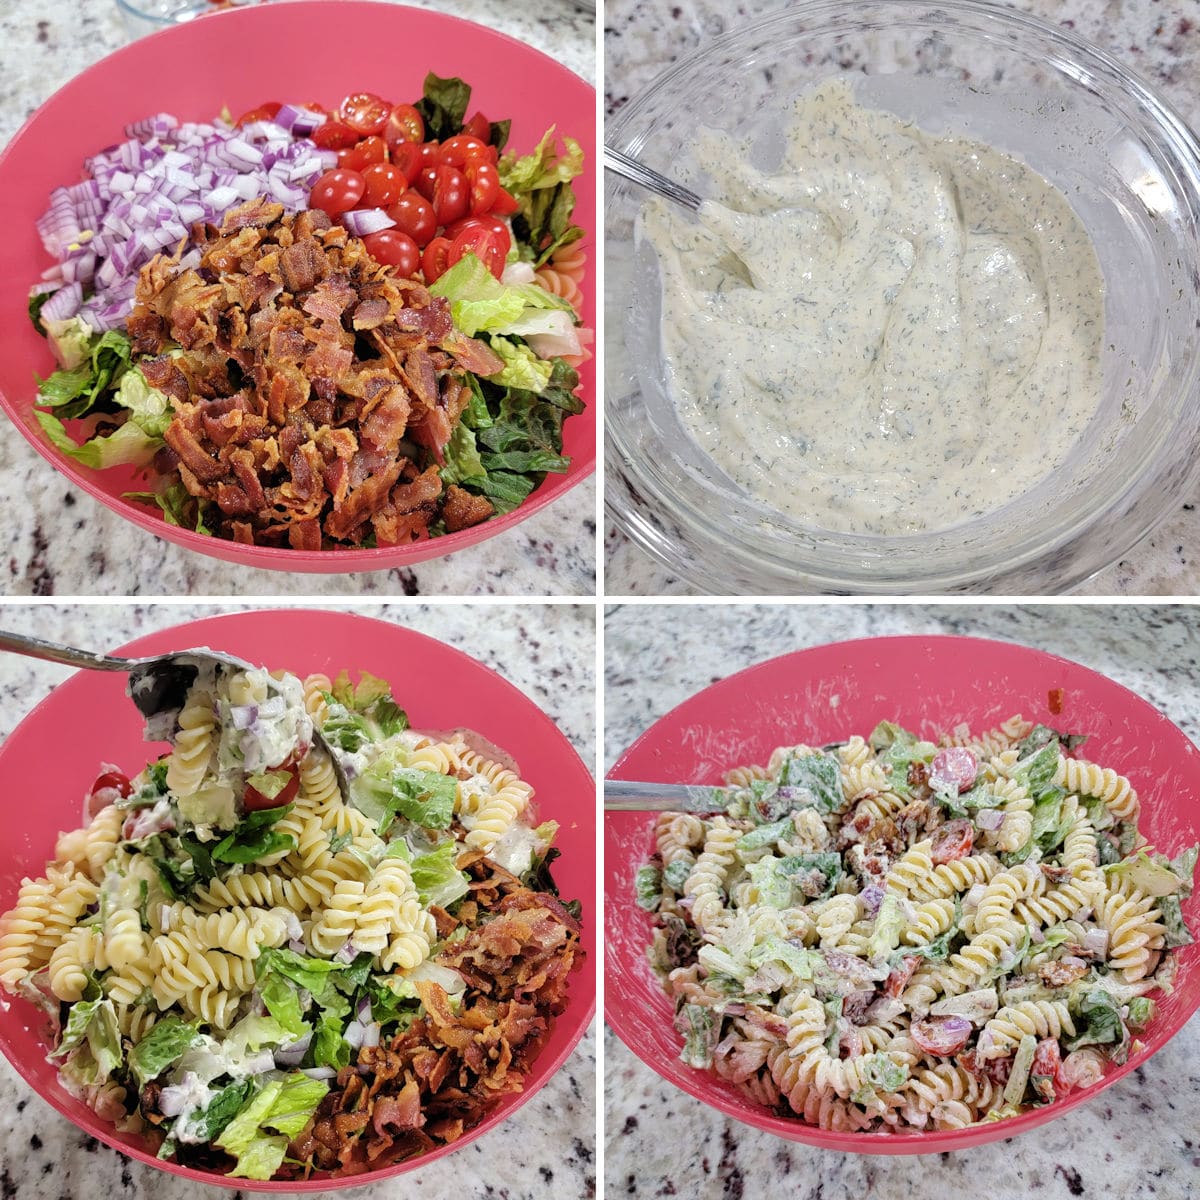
x=269 y=979
x=891 y=933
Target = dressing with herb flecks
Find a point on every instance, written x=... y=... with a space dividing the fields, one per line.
x=892 y=333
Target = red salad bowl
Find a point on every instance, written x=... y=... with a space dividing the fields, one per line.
x=817 y=696
x=438 y=686
x=300 y=51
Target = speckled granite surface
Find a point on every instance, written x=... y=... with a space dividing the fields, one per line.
x=1137 y=1141
x=544 y=1151
x=1161 y=40
x=76 y=546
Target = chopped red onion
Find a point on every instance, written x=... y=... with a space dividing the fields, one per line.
x=989 y=818
x=1036 y=936
x=1095 y=941
x=353 y=1034
x=318 y=1072
x=242 y=716
x=371 y=1035
x=299 y=121
x=292 y=1055
x=362 y=222
x=363 y=1012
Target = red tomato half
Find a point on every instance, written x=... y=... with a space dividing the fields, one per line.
x=385 y=185
x=505 y=204
x=337 y=191
x=493 y=224
x=264 y=112
x=396 y=249
x=484 y=244
x=369 y=150
x=451 y=197
x=480 y=127
x=461 y=149
x=365 y=112
x=404 y=124
x=434 y=258
x=485 y=185
x=414 y=215
x=334 y=135
x=253 y=800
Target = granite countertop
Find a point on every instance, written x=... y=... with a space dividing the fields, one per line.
x=546 y=1150
x=1160 y=40
x=1139 y=1139
x=65 y=543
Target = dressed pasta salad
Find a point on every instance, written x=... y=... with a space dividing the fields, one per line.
x=269 y=979
x=891 y=933
x=313 y=328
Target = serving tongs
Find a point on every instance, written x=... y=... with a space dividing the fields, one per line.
x=158 y=683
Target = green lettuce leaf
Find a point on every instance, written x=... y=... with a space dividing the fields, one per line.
x=647 y=887
x=541 y=183
x=74 y=392
x=295 y=1104
x=522 y=368
x=127 y=445
x=222 y=1108
x=254 y=837
x=700 y=1030
x=161 y=1047
x=436 y=878
x=178 y=507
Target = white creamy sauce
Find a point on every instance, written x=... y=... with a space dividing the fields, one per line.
x=891 y=333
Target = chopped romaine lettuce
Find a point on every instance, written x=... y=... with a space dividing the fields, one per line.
x=161 y=1048
x=437 y=880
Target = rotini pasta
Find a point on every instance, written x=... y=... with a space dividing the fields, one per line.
x=892 y=932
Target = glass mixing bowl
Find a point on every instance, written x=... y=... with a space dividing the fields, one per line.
x=1131 y=169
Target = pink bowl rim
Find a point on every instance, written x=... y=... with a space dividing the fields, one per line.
x=697 y=1083
x=342 y=561
x=553 y=1063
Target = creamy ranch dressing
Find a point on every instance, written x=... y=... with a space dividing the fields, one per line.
x=898 y=333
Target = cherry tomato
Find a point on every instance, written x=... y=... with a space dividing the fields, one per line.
x=337 y=191
x=479 y=127
x=900 y=974
x=953 y=770
x=404 y=124
x=485 y=185
x=952 y=840
x=114 y=779
x=505 y=204
x=434 y=258
x=941 y=1035
x=414 y=215
x=484 y=244
x=396 y=249
x=451 y=195
x=253 y=800
x=264 y=112
x=423 y=182
x=334 y=135
x=1046 y=1070
x=460 y=149
x=413 y=157
x=365 y=112
x=493 y=224
x=385 y=185
x=369 y=150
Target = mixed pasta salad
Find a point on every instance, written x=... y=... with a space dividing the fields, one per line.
x=268 y=979
x=891 y=933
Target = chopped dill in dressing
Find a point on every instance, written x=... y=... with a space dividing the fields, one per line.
x=892 y=333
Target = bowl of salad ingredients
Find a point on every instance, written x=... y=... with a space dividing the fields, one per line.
x=317 y=313
x=897 y=348
x=914 y=914
x=229 y=964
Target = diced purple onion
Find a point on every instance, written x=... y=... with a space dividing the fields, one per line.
x=362 y=222
x=64 y=304
x=371 y=1035
x=242 y=716
x=353 y=1034
x=293 y=1055
x=871 y=897
x=299 y=121
x=989 y=818
x=318 y=1072
x=363 y=1012
x=1095 y=941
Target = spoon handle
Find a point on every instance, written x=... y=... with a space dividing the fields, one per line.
x=67 y=655
x=629 y=168
x=622 y=796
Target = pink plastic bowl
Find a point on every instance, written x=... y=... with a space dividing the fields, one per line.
x=440 y=688
x=242 y=58
x=823 y=695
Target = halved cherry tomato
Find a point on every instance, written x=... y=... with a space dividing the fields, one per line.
x=114 y=779
x=460 y=149
x=434 y=258
x=953 y=770
x=404 y=124
x=396 y=249
x=485 y=185
x=110 y=786
x=337 y=191
x=505 y=203
x=484 y=244
x=900 y=974
x=369 y=150
x=493 y=224
x=414 y=215
x=1045 y=1074
x=413 y=157
x=334 y=135
x=385 y=185
x=952 y=841
x=941 y=1035
x=264 y=112
x=365 y=112
x=253 y=800
x=479 y=127
x=424 y=182
x=451 y=197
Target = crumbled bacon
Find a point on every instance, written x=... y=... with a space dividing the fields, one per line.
x=307 y=375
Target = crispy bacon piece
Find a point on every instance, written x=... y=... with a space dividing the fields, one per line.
x=462 y=509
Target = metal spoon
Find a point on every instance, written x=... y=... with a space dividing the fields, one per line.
x=158 y=683
x=620 y=163
x=622 y=796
